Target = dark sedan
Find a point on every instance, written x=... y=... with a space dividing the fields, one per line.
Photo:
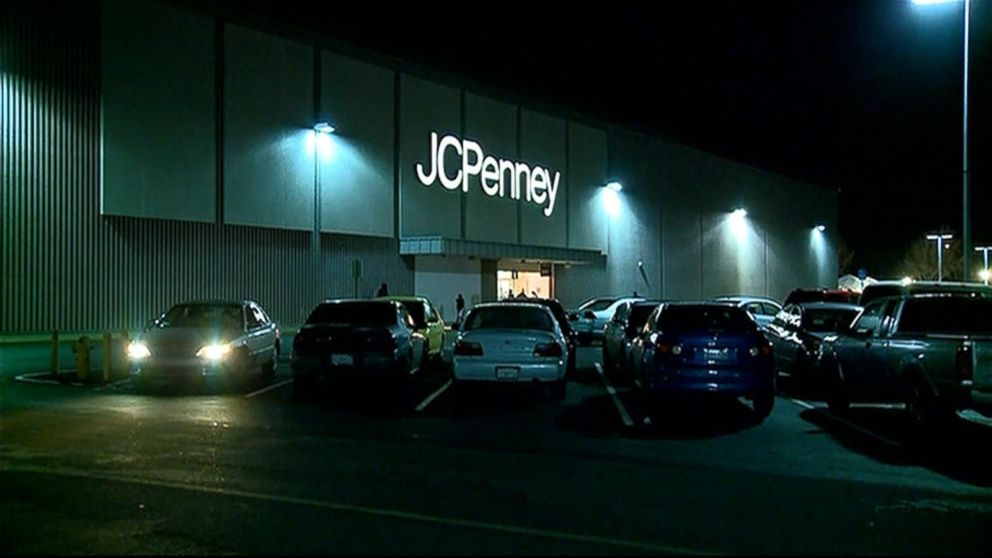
x=626 y=323
x=704 y=348
x=200 y=342
x=796 y=334
x=571 y=336
x=370 y=340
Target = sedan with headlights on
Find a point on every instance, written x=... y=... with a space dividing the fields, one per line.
x=202 y=342
x=512 y=342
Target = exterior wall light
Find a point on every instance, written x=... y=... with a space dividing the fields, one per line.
x=740 y=213
x=614 y=185
x=821 y=228
x=323 y=128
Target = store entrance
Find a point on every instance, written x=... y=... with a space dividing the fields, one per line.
x=524 y=277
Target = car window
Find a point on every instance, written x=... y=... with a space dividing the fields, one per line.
x=509 y=317
x=204 y=315
x=770 y=309
x=755 y=308
x=821 y=320
x=353 y=313
x=638 y=316
x=951 y=315
x=652 y=321
x=597 y=304
x=623 y=311
x=871 y=318
x=417 y=311
x=705 y=318
x=263 y=315
x=252 y=318
x=406 y=318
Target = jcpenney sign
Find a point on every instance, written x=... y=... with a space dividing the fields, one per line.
x=498 y=177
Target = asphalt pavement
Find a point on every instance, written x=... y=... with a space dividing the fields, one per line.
x=261 y=469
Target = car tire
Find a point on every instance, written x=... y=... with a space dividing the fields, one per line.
x=763 y=403
x=557 y=390
x=838 y=400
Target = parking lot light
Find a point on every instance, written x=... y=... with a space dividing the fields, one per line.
x=907 y=280
x=323 y=128
x=940 y=238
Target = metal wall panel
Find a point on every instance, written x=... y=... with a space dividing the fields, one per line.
x=64 y=266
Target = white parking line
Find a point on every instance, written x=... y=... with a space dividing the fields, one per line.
x=268 y=388
x=847 y=423
x=423 y=404
x=613 y=395
x=365 y=510
x=32 y=378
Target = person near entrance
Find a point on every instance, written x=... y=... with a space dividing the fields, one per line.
x=383 y=290
x=522 y=294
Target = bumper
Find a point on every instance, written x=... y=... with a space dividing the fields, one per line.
x=726 y=381
x=471 y=369
x=369 y=368
x=177 y=371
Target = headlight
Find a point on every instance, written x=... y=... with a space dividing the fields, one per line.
x=214 y=352
x=137 y=350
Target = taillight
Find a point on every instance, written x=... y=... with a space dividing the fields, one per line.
x=964 y=368
x=548 y=350
x=667 y=348
x=467 y=348
x=763 y=349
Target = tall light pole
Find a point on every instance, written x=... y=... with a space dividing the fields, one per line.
x=985 y=262
x=966 y=192
x=940 y=238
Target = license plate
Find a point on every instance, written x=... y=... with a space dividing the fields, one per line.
x=506 y=373
x=717 y=354
x=342 y=360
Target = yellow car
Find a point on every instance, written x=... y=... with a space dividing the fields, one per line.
x=427 y=321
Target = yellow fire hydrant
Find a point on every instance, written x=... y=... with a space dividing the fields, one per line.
x=81 y=349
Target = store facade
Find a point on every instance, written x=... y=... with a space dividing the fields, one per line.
x=163 y=154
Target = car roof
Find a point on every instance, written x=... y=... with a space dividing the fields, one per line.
x=714 y=303
x=359 y=300
x=216 y=302
x=504 y=304
x=819 y=304
x=648 y=303
x=404 y=298
x=747 y=298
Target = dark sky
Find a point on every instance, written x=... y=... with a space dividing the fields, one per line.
x=864 y=97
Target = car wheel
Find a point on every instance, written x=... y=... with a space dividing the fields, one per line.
x=763 y=403
x=557 y=390
x=838 y=400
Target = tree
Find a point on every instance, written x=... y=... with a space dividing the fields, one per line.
x=920 y=260
x=845 y=257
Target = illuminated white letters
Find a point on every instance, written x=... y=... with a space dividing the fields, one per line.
x=498 y=177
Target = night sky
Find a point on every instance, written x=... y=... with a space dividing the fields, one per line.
x=864 y=97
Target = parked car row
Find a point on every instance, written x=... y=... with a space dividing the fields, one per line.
x=924 y=345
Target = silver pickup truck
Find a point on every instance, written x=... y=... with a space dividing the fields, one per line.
x=931 y=351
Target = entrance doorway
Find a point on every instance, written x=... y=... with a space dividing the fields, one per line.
x=526 y=277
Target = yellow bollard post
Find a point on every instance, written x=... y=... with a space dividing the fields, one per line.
x=106 y=356
x=81 y=349
x=55 y=353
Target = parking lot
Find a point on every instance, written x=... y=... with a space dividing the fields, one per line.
x=476 y=469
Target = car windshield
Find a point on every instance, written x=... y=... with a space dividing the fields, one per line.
x=955 y=315
x=354 y=313
x=705 y=318
x=224 y=316
x=509 y=317
x=417 y=311
x=828 y=320
x=596 y=304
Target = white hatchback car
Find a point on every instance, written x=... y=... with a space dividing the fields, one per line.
x=511 y=342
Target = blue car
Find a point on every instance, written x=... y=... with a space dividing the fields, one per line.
x=712 y=348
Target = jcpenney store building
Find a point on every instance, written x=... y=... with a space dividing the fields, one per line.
x=154 y=154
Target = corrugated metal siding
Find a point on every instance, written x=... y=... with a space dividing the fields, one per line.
x=64 y=266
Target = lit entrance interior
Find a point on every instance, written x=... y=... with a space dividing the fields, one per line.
x=524 y=276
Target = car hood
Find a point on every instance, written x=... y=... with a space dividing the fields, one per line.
x=187 y=337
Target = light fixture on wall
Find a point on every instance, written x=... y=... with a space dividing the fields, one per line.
x=614 y=185
x=820 y=228
x=323 y=128
x=740 y=213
